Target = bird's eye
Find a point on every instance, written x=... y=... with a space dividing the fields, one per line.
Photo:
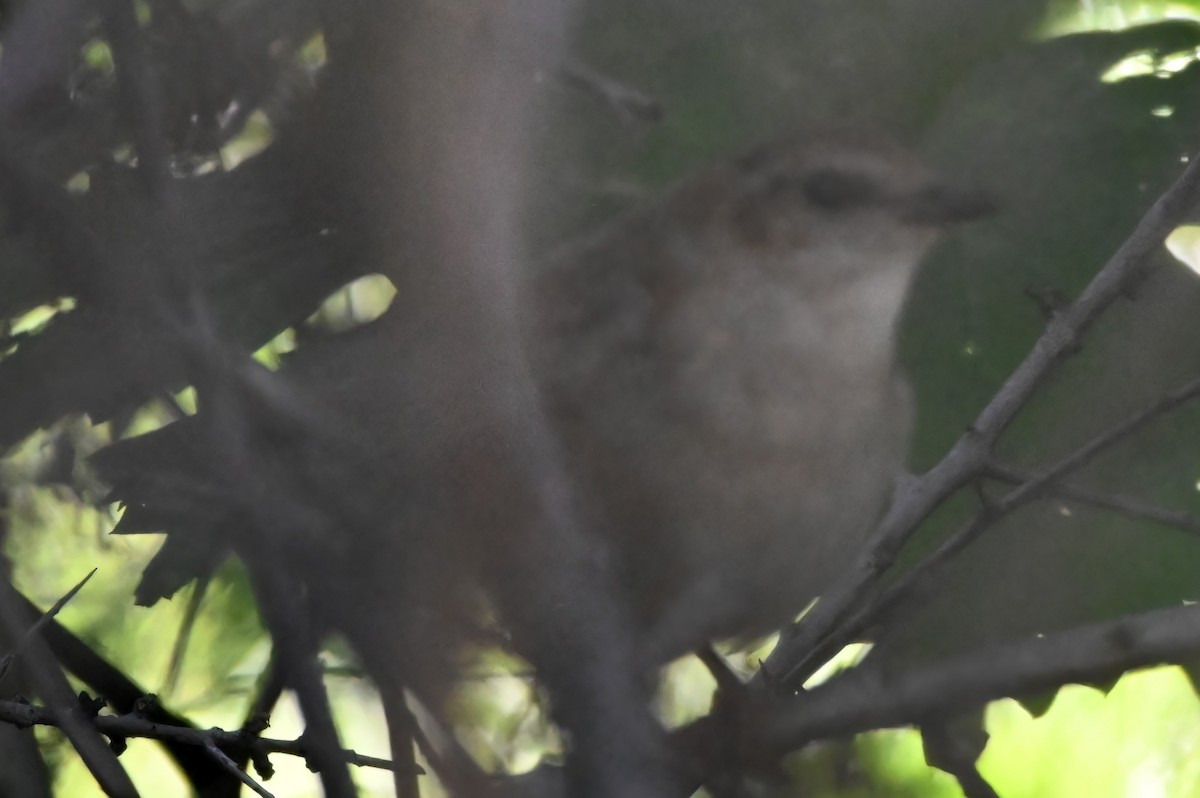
x=833 y=190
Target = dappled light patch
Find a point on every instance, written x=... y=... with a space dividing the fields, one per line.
x=1184 y=244
x=357 y=303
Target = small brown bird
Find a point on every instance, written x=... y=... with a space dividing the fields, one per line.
x=721 y=369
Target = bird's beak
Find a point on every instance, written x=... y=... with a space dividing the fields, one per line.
x=939 y=205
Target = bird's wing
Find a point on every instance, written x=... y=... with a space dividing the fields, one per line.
x=594 y=311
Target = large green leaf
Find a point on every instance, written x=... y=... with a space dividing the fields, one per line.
x=1076 y=161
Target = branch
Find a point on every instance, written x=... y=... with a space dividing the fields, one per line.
x=105 y=679
x=969 y=456
x=866 y=699
x=920 y=576
x=217 y=388
x=51 y=682
x=136 y=725
x=40 y=623
x=232 y=767
x=954 y=749
x=1122 y=505
x=184 y=637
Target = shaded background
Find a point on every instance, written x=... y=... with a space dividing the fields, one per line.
x=1075 y=114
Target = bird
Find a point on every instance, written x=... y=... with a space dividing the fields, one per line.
x=721 y=371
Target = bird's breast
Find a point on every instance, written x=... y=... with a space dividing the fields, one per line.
x=760 y=364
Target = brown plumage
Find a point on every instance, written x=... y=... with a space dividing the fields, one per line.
x=721 y=370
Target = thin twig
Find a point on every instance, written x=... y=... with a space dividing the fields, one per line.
x=41 y=622
x=1123 y=505
x=727 y=681
x=865 y=699
x=967 y=459
x=186 y=626
x=218 y=389
x=135 y=725
x=1034 y=488
x=920 y=576
x=947 y=749
x=51 y=684
x=403 y=732
x=123 y=695
x=223 y=759
x=450 y=761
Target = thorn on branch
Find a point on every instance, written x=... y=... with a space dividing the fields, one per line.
x=1037 y=704
x=774 y=683
x=41 y=622
x=955 y=747
x=306 y=752
x=261 y=761
x=90 y=706
x=118 y=744
x=1048 y=300
x=1104 y=500
x=1104 y=684
x=148 y=706
x=255 y=725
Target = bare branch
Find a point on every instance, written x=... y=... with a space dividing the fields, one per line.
x=135 y=725
x=969 y=456
x=183 y=638
x=865 y=699
x=223 y=759
x=41 y=622
x=52 y=685
x=948 y=749
x=919 y=577
x=1123 y=505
